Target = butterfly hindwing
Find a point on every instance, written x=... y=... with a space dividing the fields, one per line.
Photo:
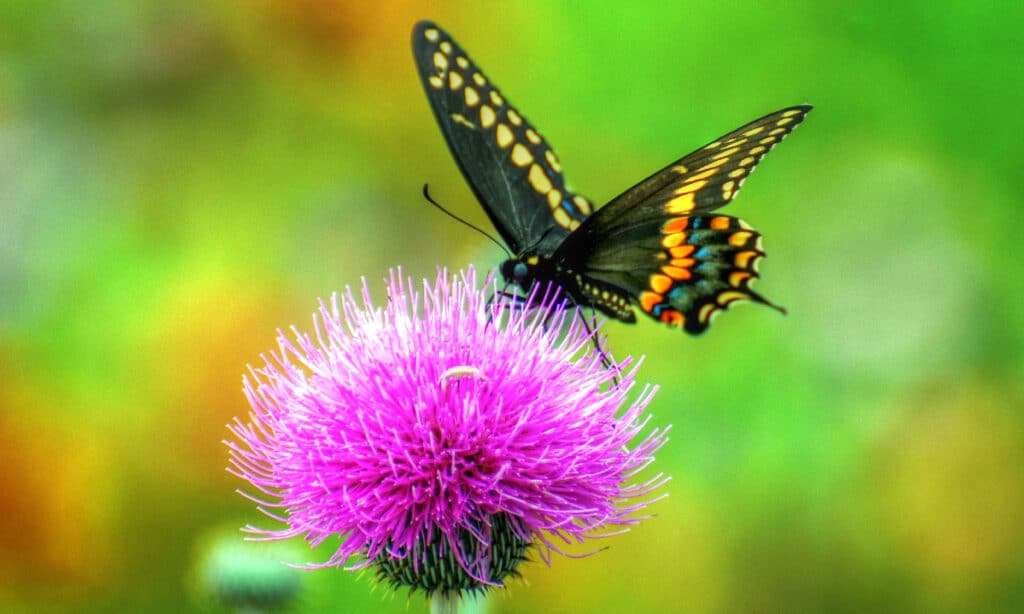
x=511 y=168
x=657 y=244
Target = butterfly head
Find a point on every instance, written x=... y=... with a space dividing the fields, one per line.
x=516 y=271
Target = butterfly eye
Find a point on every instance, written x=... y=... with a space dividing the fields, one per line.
x=519 y=272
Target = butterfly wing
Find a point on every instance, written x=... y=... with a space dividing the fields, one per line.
x=510 y=167
x=656 y=244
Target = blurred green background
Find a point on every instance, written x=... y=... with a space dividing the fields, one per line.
x=177 y=180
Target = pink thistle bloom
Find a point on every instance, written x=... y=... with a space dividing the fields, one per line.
x=438 y=438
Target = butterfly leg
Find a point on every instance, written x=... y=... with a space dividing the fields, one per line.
x=511 y=301
x=606 y=361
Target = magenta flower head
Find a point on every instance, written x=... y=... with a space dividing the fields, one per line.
x=438 y=438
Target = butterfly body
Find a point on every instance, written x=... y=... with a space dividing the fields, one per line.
x=528 y=269
x=657 y=247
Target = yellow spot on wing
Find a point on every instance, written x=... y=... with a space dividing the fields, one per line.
x=503 y=134
x=462 y=62
x=768 y=140
x=726 y=153
x=784 y=121
x=515 y=118
x=778 y=131
x=573 y=225
x=562 y=217
x=694 y=186
x=487 y=116
x=680 y=204
x=521 y=156
x=729 y=296
x=436 y=82
x=745 y=258
x=431 y=35
x=440 y=61
x=446 y=47
x=496 y=98
x=756 y=150
x=740 y=238
x=748 y=161
x=540 y=182
x=702 y=175
x=455 y=80
x=714 y=164
x=737 y=173
x=737 y=278
x=680 y=169
x=532 y=136
x=479 y=79
x=582 y=204
x=754 y=131
x=553 y=161
x=472 y=98
x=705 y=312
x=554 y=198
x=792 y=113
x=461 y=119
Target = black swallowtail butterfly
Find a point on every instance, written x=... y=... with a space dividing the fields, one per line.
x=657 y=245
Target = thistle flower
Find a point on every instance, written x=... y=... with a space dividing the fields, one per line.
x=439 y=437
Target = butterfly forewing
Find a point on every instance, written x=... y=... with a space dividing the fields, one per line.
x=711 y=177
x=511 y=168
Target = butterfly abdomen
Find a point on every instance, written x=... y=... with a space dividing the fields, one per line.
x=580 y=290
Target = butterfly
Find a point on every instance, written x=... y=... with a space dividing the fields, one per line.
x=658 y=246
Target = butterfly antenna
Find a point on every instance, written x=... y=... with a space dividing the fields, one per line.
x=426 y=194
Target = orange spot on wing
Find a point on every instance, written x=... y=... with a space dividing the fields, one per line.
x=682 y=262
x=676 y=272
x=660 y=283
x=719 y=223
x=672 y=317
x=648 y=300
x=682 y=251
x=675 y=225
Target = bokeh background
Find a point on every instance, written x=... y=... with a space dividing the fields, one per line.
x=178 y=180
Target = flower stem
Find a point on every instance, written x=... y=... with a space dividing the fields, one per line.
x=444 y=603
